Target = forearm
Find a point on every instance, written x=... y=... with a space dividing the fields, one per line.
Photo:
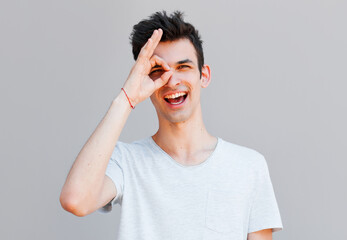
x=85 y=179
x=85 y=188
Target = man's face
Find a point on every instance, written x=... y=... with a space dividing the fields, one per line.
x=179 y=98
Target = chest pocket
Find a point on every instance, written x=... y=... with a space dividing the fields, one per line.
x=224 y=212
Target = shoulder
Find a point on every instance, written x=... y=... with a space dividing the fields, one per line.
x=133 y=147
x=244 y=155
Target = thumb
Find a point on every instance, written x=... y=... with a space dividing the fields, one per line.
x=164 y=78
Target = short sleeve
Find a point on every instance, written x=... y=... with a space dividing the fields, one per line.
x=264 y=211
x=115 y=171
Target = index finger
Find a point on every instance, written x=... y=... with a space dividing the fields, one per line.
x=148 y=49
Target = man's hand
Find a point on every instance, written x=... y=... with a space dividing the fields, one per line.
x=139 y=85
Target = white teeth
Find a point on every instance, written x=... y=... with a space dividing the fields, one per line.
x=175 y=95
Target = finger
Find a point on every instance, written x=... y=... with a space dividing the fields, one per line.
x=148 y=49
x=155 y=60
x=153 y=42
x=164 y=78
x=156 y=39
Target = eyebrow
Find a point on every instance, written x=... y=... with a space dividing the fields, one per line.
x=184 y=61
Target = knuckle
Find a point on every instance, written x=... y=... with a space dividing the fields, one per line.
x=154 y=57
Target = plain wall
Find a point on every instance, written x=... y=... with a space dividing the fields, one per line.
x=278 y=86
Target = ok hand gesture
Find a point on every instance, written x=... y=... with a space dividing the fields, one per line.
x=139 y=85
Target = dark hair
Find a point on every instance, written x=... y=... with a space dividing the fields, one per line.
x=173 y=27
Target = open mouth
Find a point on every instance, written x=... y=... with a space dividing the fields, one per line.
x=176 y=98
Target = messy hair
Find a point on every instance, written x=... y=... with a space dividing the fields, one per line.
x=174 y=28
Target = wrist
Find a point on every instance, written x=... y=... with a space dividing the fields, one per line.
x=128 y=98
x=121 y=100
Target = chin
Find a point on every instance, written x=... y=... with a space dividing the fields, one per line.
x=176 y=118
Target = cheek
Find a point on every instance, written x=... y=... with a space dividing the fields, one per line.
x=155 y=99
x=190 y=78
x=188 y=74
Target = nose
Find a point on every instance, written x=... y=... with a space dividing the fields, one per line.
x=174 y=80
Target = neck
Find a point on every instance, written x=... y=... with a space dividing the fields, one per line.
x=184 y=139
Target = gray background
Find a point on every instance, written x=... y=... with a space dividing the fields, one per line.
x=278 y=86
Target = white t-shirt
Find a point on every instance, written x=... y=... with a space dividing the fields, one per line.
x=225 y=197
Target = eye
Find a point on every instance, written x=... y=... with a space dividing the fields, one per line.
x=183 y=66
x=156 y=71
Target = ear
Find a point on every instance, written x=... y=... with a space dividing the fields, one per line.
x=205 y=76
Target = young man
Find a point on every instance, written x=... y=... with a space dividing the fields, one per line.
x=182 y=182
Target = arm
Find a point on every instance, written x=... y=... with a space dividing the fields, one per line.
x=265 y=234
x=86 y=180
x=87 y=188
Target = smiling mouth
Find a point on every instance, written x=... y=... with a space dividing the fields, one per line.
x=176 y=98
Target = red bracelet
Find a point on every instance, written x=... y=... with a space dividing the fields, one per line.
x=128 y=98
